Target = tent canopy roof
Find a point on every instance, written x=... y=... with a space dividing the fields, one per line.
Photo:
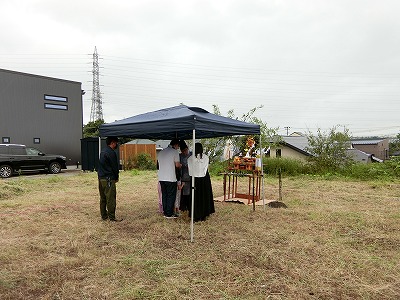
x=177 y=122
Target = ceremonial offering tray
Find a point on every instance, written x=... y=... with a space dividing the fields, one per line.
x=244 y=163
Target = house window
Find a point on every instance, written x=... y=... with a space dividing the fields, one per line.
x=6 y=140
x=55 y=98
x=278 y=152
x=36 y=140
x=55 y=106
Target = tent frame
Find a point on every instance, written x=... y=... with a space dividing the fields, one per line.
x=180 y=122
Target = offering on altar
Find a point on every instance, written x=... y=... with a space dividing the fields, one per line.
x=244 y=163
x=237 y=160
x=250 y=145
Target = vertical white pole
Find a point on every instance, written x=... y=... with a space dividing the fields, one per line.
x=99 y=146
x=193 y=187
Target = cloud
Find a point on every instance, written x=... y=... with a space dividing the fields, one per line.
x=310 y=63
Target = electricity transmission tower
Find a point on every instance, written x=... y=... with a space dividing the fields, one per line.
x=96 y=112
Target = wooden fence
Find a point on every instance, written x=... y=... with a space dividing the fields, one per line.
x=127 y=152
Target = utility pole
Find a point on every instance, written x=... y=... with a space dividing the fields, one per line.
x=96 y=112
x=287 y=129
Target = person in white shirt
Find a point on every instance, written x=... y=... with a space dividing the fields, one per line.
x=203 y=194
x=168 y=160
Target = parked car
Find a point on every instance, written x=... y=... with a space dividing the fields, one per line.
x=17 y=159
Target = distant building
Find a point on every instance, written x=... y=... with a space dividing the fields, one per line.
x=360 y=156
x=291 y=147
x=377 y=147
x=295 y=146
x=41 y=112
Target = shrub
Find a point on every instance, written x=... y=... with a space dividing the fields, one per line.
x=394 y=165
x=329 y=149
x=288 y=166
x=218 y=167
x=142 y=161
x=387 y=170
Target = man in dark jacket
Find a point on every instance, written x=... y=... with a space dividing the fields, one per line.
x=108 y=173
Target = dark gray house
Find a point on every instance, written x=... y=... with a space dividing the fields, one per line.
x=41 y=112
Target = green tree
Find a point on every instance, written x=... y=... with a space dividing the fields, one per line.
x=394 y=146
x=91 y=129
x=329 y=149
x=214 y=147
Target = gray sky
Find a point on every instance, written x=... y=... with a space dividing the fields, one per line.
x=311 y=63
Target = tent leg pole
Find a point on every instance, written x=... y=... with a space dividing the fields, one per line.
x=193 y=189
x=99 y=146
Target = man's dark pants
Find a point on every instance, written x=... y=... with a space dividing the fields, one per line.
x=168 y=190
x=108 y=197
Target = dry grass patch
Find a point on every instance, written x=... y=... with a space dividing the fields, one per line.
x=336 y=240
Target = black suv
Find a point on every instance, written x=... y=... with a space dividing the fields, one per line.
x=17 y=159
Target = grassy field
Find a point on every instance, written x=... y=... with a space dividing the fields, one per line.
x=336 y=240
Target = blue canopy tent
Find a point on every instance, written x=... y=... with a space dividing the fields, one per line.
x=177 y=122
x=182 y=122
